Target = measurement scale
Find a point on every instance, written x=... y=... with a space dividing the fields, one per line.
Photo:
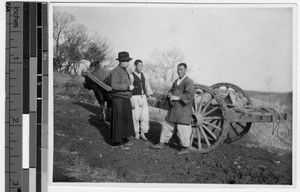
x=26 y=86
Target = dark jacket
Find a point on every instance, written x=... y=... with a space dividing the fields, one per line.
x=120 y=81
x=139 y=84
x=181 y=111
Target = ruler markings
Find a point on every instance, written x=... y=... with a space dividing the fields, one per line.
x=15 y=148
x=23 y=45
x=7 y=66
x=33 y=95
x=44 y=161
x=39 y=102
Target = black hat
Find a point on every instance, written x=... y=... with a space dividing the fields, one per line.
x=123 y=56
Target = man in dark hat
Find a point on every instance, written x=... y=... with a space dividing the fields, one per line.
x=121 y=124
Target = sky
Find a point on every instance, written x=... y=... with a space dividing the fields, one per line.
x=249 y=47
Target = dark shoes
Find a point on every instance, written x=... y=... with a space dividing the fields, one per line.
x=127 y=142
x=183 y=151
x=158 y=146
x=161 y=146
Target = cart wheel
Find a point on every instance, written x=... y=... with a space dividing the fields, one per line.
x=209 y=120
x=234 y=96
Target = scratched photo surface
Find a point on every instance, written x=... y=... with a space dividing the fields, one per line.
x=240 y=59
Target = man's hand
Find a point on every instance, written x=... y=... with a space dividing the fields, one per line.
x=169 y=94
x=175 y=98
x=151 y=98
x=131 y=87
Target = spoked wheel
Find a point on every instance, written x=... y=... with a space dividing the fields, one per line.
x=209 y=127
x=233 y=96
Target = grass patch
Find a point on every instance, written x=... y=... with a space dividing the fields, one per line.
x=75 y=169
x=262 y=134
x=70 y=87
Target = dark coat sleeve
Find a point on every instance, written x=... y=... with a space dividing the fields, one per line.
x=172 y=88
x=189 y=91
x=116 y=82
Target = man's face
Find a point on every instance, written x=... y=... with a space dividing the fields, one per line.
x=181 y=71
x=125 y=64
x=139 y=67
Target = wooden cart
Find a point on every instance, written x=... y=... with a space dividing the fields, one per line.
x=221 y=113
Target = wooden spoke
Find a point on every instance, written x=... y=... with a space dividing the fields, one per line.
x=209 y=131
x=195 y=103
x=205 y=137
x=212 y=118
x=201 y=100
x=199 y=140
x=192 y=137
x=242 y=126
x=210 y=111
x=212 y=125
x=210 y=100
x=234 y=129
x=227 y=90
x=217 y=123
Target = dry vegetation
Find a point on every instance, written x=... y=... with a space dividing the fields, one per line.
x=262 y=133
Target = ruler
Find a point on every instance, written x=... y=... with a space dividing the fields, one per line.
x=26 y=101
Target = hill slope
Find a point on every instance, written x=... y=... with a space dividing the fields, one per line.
x=82 y=153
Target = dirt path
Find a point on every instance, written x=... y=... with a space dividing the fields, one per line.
x=82 y=153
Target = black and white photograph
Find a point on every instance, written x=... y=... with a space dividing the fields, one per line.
x=173 y=93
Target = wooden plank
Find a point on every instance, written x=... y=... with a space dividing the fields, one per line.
x=96 y=80
x=251 y=116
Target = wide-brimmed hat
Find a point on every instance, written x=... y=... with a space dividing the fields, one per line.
x=124 y=56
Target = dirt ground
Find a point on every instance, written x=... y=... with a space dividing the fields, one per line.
x=82 y=153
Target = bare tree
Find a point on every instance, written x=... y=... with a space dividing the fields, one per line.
x=164 y=64
x=97 y=51
x=75 y=44
x=61 y=24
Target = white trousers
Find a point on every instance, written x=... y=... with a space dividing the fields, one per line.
x=183 y=131
x=140 y=113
